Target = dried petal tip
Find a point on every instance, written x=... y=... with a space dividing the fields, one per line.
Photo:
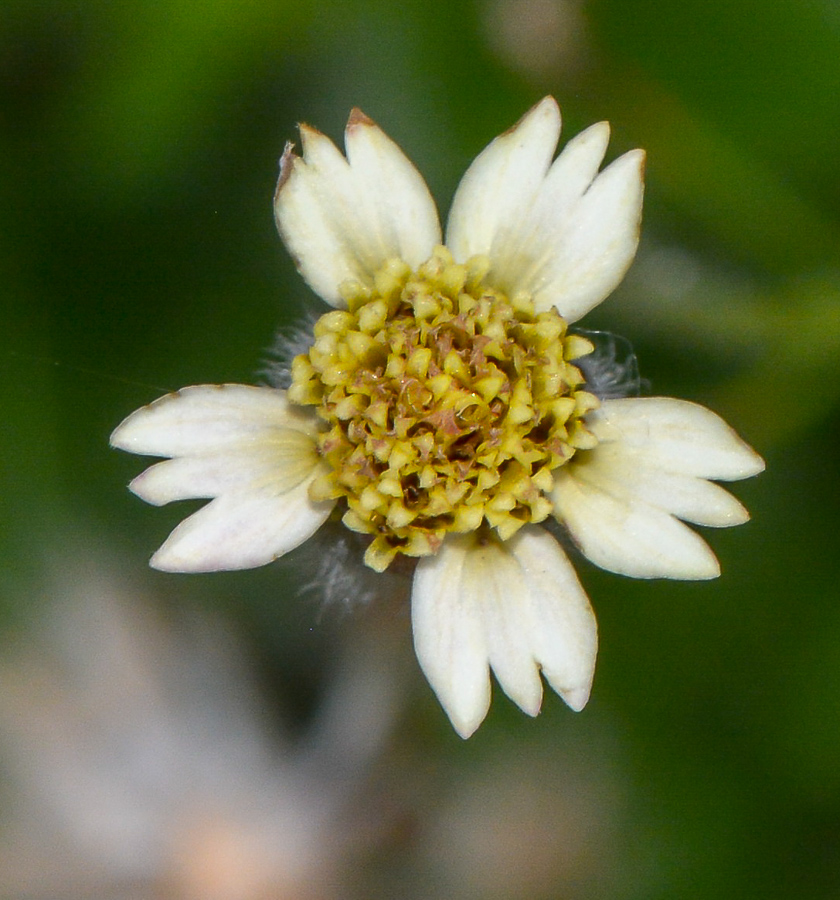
x=287 y=162
x=357 y=117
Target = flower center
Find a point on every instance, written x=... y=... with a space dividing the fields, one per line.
x=447 y=405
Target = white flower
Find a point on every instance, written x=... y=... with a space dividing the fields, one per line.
x=440 y=411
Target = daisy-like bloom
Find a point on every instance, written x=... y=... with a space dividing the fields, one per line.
x=440 y=411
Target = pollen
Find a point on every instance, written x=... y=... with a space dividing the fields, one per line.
x=446 y=405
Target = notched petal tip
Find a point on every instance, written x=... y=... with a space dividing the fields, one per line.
x=117 y=439
x=172 y=557
x=547 y=107
x=466 y=727
x=342 y=215
x=577 y=698
x=168 y=559
x=630 y=169
x=125 y=435
x=139 y=487
x=164 y=563
x=754 y=463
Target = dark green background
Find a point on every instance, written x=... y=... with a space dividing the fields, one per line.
x=138 y=254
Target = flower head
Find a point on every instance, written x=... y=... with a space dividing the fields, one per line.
x=443 y=411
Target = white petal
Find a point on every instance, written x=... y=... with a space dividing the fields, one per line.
x=524 y=248
x=678 y=436
x=516 y=607
x=449 y=638
x=627 y=472
x=209 y=417
x=496 y=584
x=620 y=500
x=248 y=448
x=277 y=461
x=563 y=632
x=572 y=172
x=242 y=530
x=594 y=244
x=502 y=182
x=342 y=219
x=626 y=535
x=402 y=208
x=562 y=234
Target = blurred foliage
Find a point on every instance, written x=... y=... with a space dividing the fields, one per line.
x=138 y=157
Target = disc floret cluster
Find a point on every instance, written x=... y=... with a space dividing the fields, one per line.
x=446 y=404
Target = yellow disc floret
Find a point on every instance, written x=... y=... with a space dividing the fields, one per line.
x=446 y=405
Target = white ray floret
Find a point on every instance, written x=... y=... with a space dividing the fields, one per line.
x=343 y=218
x=565 y=234
x=515 y=607
x=248 y=448
x=622 y=501
x=502 y=184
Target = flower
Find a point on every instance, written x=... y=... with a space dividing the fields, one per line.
x=440 y=409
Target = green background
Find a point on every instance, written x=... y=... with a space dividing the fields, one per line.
x=138 y=254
